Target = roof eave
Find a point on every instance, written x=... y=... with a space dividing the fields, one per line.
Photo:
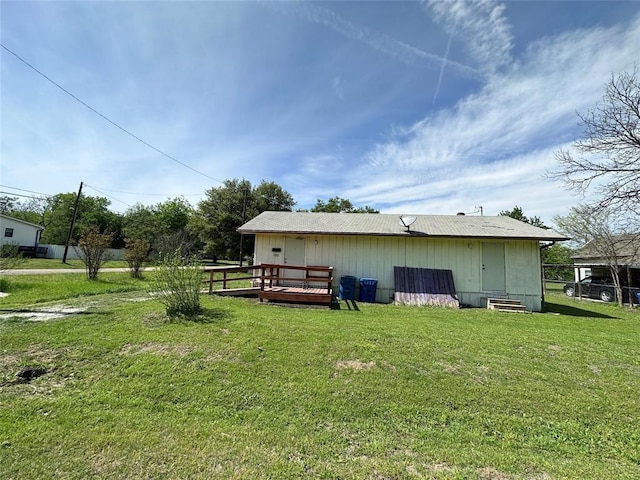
x=411 y=234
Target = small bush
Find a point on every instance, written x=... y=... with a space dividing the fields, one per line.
x=10 y=256
x=135 y=254
x=92 y=249
x=177 y=282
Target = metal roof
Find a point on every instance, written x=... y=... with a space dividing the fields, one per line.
x=625 y=248
x=379 y=224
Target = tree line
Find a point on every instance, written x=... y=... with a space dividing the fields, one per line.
x=209 y=228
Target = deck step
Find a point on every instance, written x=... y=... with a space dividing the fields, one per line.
x=505 y=305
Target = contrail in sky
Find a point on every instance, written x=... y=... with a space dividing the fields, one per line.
x=444 y=62
x=398 y=50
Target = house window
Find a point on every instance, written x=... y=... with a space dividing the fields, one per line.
x=8 y=232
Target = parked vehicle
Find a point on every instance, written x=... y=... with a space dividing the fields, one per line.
x=598 y=287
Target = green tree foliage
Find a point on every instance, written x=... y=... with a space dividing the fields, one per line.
x=7 y=204
x=30 y=210
x=163 y=225
x=340 y=205
x=558 y=254
x=229 y=206
x=269 y=196
x=173 y=215
x=92 y=213
x=517 y=213
x=139 y=222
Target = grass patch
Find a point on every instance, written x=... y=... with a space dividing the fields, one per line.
x=24 y=290
x=261 y=391
x=53 y=263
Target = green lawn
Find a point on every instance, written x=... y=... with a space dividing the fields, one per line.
x=262 y=391
x=57 y=263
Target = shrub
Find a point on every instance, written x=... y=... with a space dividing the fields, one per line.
x=10 y=256
x=92 y=249
x=135 y=254
x=177 y=282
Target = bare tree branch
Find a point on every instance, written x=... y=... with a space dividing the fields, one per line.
x=607 y=158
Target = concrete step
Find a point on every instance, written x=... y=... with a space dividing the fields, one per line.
x=505 y=305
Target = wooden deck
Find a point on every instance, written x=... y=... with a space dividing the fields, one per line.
x=310 y=284
x=296 y=294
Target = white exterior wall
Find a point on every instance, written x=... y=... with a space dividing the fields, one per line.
x=375 y=257
x=24 y=234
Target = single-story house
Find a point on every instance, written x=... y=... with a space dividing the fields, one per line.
x=488 y=256
x=621 y=250
x=18 y=232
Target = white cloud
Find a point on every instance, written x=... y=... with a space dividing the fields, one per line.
x=481 y=26
x=479 y=151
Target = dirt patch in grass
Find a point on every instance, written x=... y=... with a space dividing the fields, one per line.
x=35 y=355
x=43 y=314
x=355 y=365
x=489 y=473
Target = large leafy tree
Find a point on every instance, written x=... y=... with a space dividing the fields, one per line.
x=162 y=226
x=340 y=205
x=607 y=157
x=139 y=222
x=173 y=215
x=227 y=207
x=92 y=212
x=30 y=210
x=271 y=196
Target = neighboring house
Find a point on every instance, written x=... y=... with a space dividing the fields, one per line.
x=488 y=256
x=19 y=232
x=622 y=251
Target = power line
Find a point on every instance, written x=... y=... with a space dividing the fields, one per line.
x=107 y=118
x=108 y=196
x=20 y=195
x=25 y=190
x=154 y=194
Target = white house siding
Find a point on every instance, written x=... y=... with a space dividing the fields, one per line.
x=375 y=257
x=24 y=234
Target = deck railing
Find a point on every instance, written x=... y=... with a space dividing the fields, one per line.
x=269 y=275
x=226 y=279
x=280 y=275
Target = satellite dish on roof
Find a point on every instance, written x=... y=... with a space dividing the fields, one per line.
x=407 y=221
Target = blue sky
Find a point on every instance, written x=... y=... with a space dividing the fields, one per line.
x=410 y=107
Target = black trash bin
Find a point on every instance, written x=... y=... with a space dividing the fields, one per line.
x=348 y=287
x=368 y=290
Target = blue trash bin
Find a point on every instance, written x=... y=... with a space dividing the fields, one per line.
x=348 y=287
x=368 y=290
x=638 y=297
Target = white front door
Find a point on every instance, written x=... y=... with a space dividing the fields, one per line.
x=294 y=254
x=493 y=267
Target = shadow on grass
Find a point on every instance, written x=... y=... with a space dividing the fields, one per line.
x=350 y=304
x=208 y=315
x=572 y=311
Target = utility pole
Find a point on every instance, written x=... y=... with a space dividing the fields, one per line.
x=244 y=213
x=73 y=222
